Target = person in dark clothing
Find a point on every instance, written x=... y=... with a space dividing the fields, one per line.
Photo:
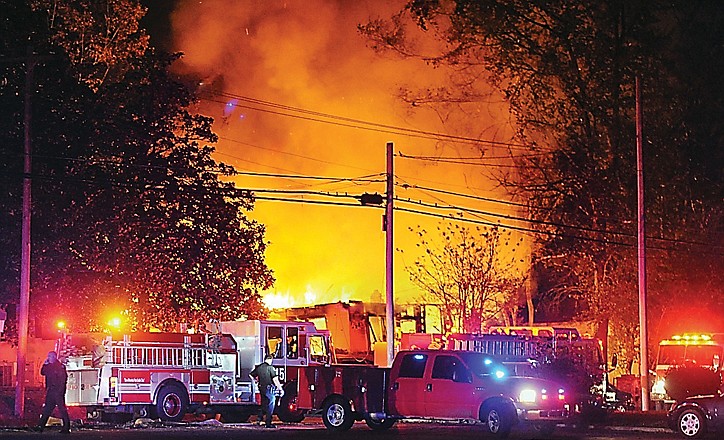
x=267 y=377
x=56 y=379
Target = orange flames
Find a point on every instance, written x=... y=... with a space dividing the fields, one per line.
x=309 y=55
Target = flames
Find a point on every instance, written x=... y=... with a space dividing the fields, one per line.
x=287 y=300
x=309 y=55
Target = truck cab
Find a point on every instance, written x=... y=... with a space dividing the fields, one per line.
x=684 y=351
x=467 y=385
x=449 y=385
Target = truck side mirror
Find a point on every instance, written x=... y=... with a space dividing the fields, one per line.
x=716 y=362
x=614 y=360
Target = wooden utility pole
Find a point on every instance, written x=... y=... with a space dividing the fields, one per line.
x=643 y=332
x=24 y=302
x=389 y=254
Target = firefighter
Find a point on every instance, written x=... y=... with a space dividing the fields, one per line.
x=269 y=386
x=56 y=379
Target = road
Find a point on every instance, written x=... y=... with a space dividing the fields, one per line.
x=314 y=430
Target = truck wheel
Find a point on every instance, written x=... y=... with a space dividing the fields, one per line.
x=691 y=423
x=379 y=425
x=497 y=419
x=287 y=410
x=172 y=403
x=337 y=414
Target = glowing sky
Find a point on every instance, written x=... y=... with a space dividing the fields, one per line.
x=309 y=55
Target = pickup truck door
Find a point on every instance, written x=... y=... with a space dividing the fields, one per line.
x=449 y=389
x=407 y=386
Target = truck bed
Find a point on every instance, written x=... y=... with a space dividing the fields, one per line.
x=363 y=385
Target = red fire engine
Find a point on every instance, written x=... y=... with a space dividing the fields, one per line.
x=167 y=375
x=560 y=353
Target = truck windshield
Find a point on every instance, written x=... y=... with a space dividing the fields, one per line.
x=679 y=354
x=483 y=365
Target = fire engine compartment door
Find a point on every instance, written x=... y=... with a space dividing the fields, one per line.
x=82 y=387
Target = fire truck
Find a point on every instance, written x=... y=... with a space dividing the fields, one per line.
x=558 y=353
x=686 y=351
x=167 y=375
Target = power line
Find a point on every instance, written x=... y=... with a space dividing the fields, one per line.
x=551 y=233
x=467 y=163
x=510 y=217
x=365 y=179
x=316 y=116
x=468 y=196
x=246 y=193
x=236 y=141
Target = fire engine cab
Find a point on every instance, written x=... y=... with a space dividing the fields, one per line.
x=167 y=375
x=686 y=350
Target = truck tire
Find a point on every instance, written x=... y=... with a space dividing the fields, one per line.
x=497 y=419
x=287 y=410
x=337 y=414
x=379 y=425
x=172 y=403
x=691 y=423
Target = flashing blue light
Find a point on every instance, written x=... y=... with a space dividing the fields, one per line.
x=499 y=374
x=487 y=362
x=229 y=107
x=419 y=357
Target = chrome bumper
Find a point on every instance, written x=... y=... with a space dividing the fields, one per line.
x=538 y=415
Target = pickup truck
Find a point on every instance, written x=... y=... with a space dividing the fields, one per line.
x=432 y=385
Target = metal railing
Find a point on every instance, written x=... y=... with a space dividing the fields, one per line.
x=156 y=354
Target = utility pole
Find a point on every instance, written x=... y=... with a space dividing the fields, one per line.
x=643 y=332
x=24 y=303
x=389 y=253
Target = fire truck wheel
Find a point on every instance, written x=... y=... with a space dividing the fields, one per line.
x=379 y=425
x=691 y=423
x=497 y=419
x=337 y=414
x=287 y=410
x=172 y=403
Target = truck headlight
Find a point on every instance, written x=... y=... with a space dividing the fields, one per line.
x=527 y=396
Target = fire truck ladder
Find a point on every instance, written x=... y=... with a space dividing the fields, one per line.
x=504 y=347
x=136 y=353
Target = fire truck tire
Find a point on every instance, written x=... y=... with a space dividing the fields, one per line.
x=337 y=414
x=287 y=410
x=497 y=418
x=691 y=423
x=172 y=403
x=379 y=425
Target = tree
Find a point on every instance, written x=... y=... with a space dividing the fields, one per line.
x=471 y=273
x=567 y=71
x=130 y=211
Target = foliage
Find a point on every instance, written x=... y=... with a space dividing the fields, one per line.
x=130 y=210
x=100 y=38
x=567 y=70
x=471 y=273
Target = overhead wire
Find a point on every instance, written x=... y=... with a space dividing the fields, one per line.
x=242 y=192
x=305 y=114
